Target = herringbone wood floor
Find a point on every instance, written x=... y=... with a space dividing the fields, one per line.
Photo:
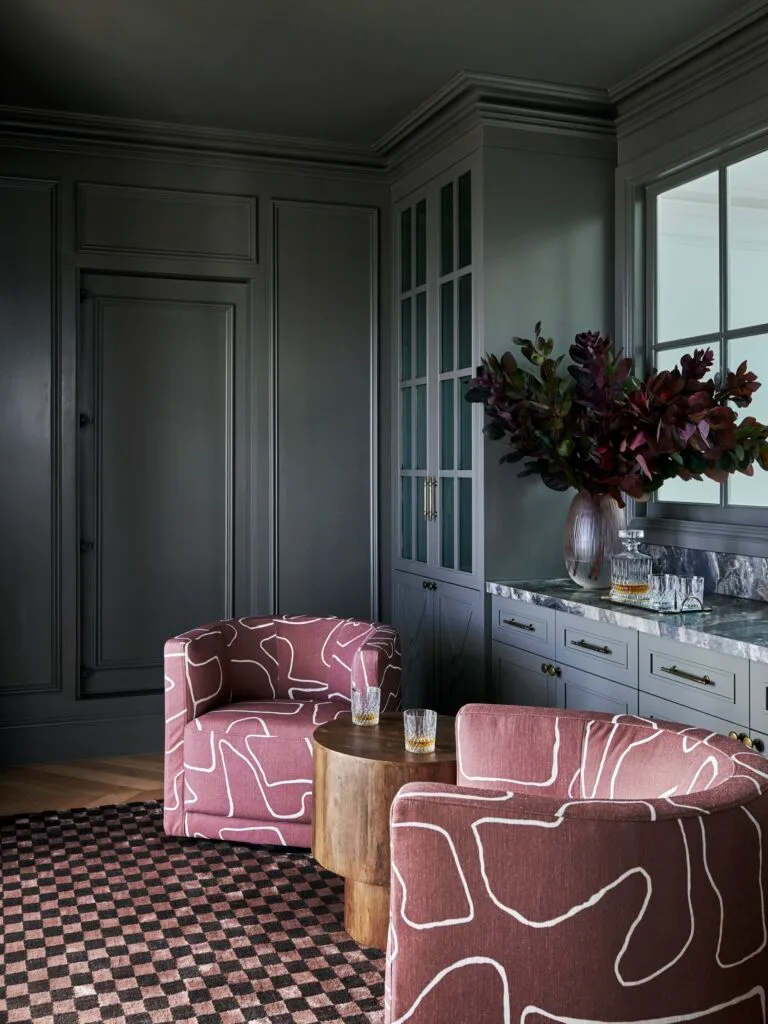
x=58 y=787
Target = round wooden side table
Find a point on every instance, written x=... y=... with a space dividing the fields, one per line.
x=358 y=770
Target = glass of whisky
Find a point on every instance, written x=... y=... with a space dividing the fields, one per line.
x=365 y=705
x=420 y=725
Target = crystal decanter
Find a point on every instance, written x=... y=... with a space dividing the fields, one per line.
x=630 y=570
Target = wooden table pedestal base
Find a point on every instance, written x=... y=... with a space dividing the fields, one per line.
x=366 y=912
x=358 y=772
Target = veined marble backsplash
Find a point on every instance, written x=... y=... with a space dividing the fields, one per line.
x=735 y=575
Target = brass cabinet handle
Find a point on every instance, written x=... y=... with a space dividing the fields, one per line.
x=591 y=647
x=550 y=670
x=751 y=743
x=430 y=501
x=426 y=496
x=673 y=670
x=529 y=626
x=429 y=584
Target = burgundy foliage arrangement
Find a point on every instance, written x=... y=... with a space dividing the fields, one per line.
x=600 y=429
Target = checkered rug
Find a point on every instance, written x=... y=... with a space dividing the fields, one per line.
x=105 y=918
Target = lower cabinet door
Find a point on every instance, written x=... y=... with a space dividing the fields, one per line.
x=459 y=652
x=412 y=616
x=651 y=706
x=576 y=690
x=520 y=678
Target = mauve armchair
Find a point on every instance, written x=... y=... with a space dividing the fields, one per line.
x=242 y=699
x=585 y=869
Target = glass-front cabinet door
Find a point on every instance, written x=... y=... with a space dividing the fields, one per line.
x=436 y=529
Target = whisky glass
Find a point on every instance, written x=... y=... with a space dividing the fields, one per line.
x=420 y=725
x=365 y=705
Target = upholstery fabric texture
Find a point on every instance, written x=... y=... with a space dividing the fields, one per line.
x=586 y=868
x=242 y=699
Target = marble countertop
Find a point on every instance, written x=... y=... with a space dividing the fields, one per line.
x=733 y=626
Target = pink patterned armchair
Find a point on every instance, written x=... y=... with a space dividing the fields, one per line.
x=242 y=699
x=586 y=868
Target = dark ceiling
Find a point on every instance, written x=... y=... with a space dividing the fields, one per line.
x=343 y=70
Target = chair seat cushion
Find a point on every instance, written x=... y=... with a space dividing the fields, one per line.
x=253 y=759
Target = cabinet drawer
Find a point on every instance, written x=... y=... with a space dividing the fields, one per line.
x=606 y=650
x=656 y=707
x=716 y=684
x=576 y=690
x=525 y=625
x=758 y=694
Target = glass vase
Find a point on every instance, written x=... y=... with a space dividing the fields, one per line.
x=591 y=538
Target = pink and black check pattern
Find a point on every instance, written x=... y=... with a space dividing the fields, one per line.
x=104 y=918
x=242 y=699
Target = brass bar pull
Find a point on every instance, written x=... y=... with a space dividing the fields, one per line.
x=681 y=674
x=591 y=647
x=529 y=626
x=432 y=498
x=426 y=496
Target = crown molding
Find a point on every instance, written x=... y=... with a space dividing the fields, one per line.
x=471 y=99
x=711 y=60
x=117 y=136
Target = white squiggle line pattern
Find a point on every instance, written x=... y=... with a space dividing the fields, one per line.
x=500 y=778
x=469 y=916
x=719 y=895
x=466 y=962
x=757 y=991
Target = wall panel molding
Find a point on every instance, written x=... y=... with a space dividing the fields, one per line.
x=53 y=682
x=173 y=224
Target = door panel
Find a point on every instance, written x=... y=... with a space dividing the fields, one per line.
x=459 y=647
x=156 y=471
x=519 y=678
x=413 y=618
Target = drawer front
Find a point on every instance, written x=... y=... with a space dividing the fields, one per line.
x=519 y=678
x=758 y=692
x=656 y=707
x=609 y=651
x=524 y=625
x=716 y=684
x=581 y=691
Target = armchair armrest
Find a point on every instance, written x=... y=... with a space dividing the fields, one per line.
x=372 y=652
x=196 y=681
x=495 y=895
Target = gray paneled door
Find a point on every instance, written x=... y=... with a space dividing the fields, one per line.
x=159 y=384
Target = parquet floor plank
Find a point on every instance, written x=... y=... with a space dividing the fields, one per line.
x=27 y=789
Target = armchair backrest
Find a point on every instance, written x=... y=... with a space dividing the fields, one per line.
x=582 y=755
x=303 y=657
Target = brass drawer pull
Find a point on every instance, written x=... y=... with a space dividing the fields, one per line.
x=528 y=626
x=551 y=670
x=749 y=742
x=591 y=647
x=681 y=674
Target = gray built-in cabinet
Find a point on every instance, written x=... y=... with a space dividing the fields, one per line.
x=493 y=233
x=189 y=377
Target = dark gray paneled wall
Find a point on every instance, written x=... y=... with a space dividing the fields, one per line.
x=326 y=352
x=184 y=476
x=548 y=230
